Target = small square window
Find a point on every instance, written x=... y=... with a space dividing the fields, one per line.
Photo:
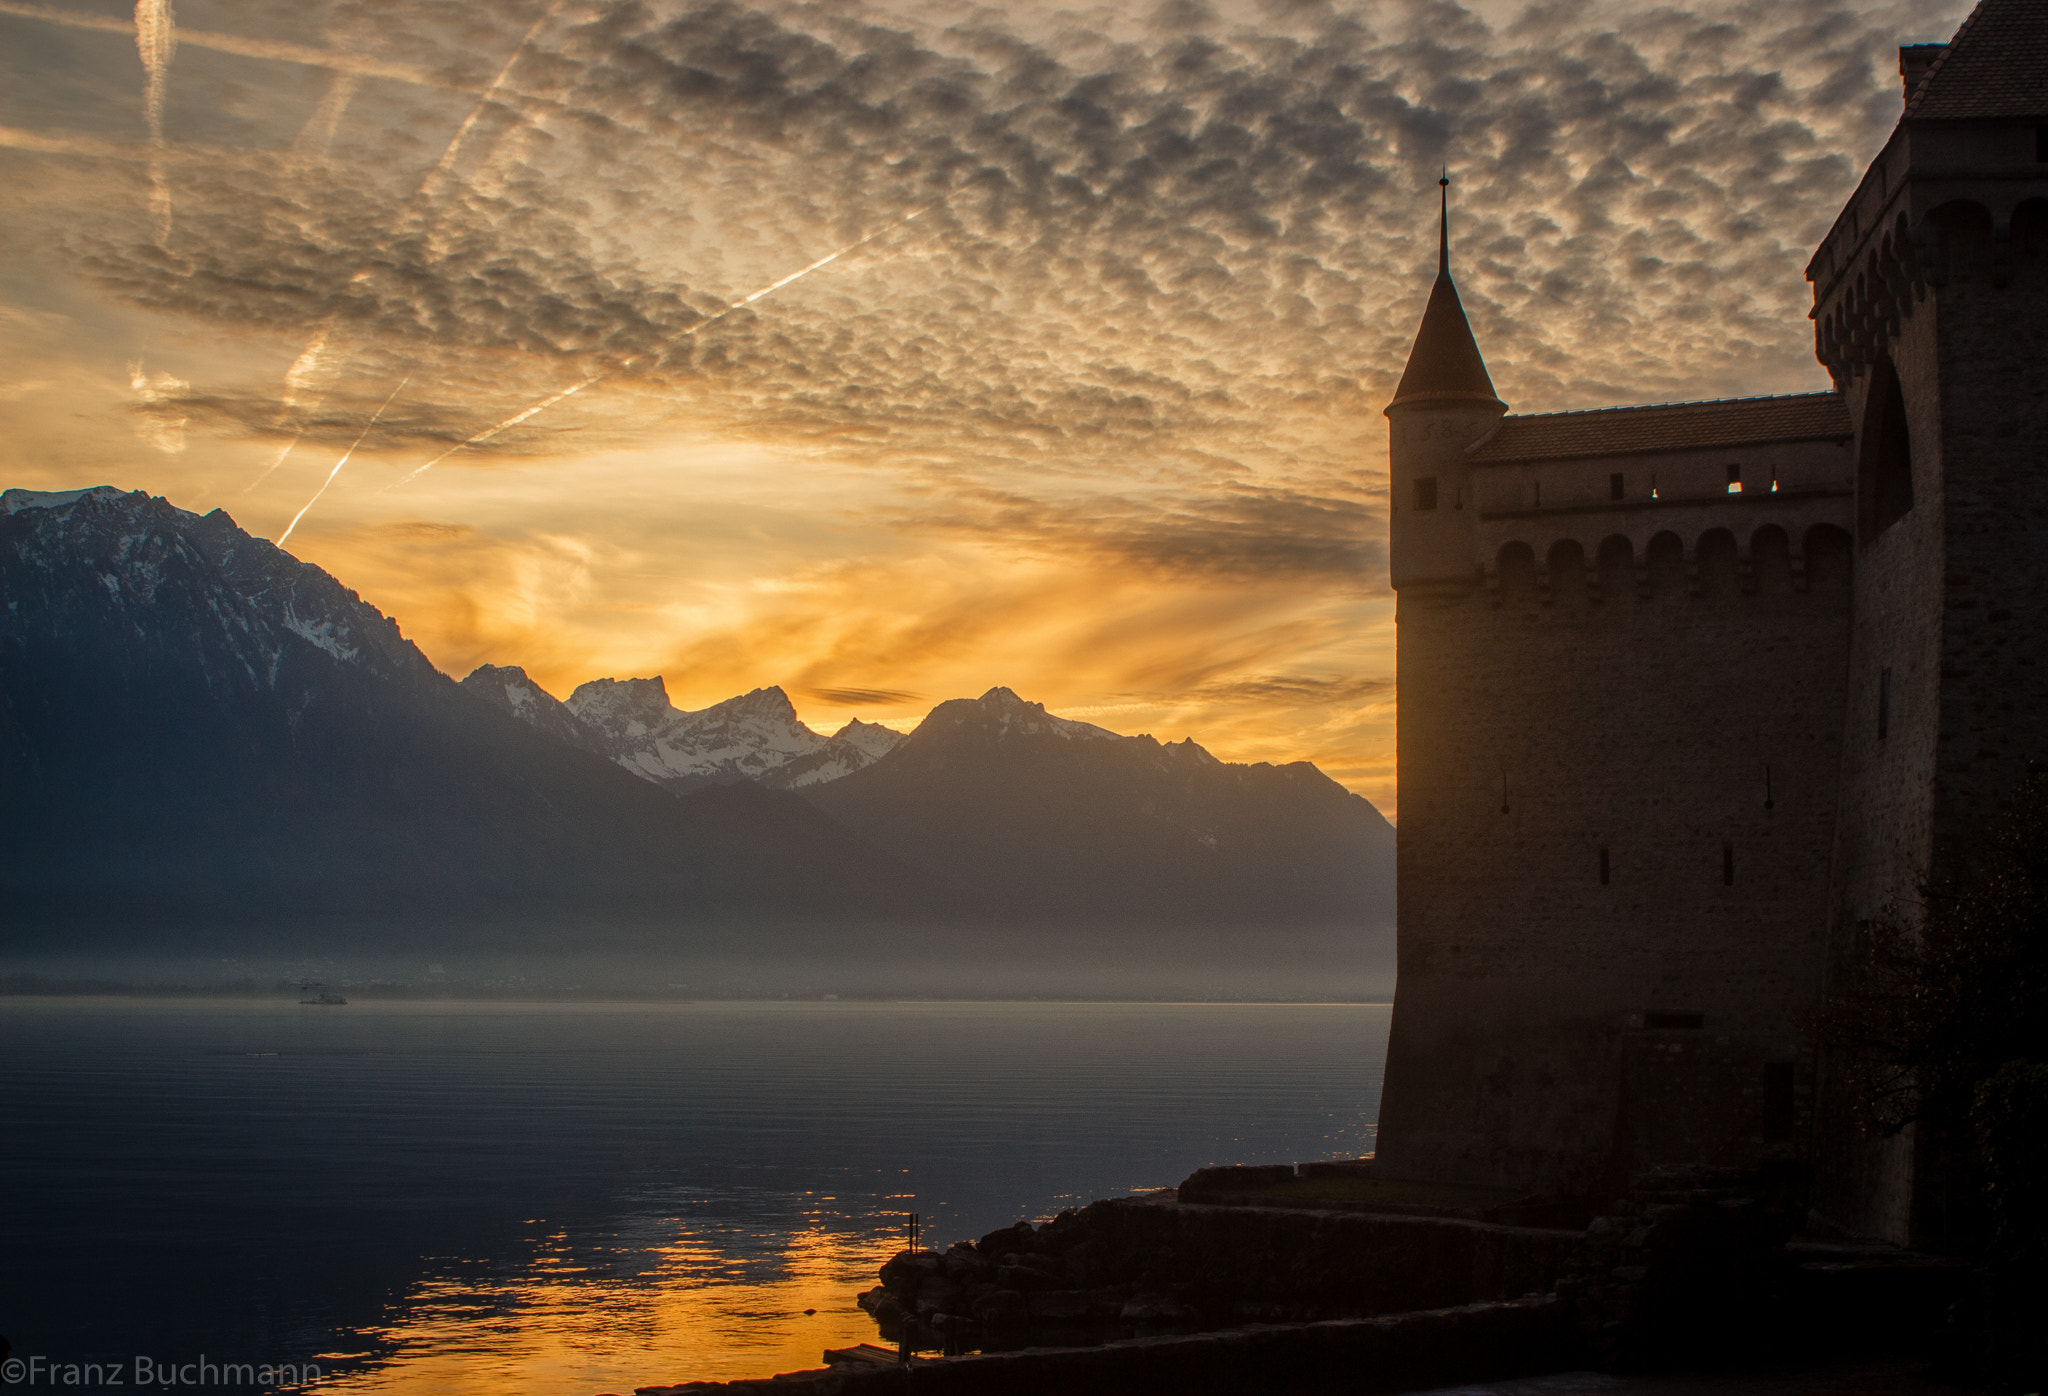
x=1614 y=485
x=1425 y=492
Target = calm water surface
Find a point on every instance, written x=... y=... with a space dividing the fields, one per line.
x=580 y=1198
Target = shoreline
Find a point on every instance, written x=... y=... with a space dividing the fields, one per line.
x=36 y=988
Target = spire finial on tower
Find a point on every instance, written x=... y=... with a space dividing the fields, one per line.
x=1445 y=365
x=1443 y=224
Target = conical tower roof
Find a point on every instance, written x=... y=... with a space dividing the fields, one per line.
x=1444 y=365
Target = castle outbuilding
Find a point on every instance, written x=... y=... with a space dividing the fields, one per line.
x=1689 y=692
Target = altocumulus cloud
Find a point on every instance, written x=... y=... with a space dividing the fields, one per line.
x=1167 y=270
x=1101 y=422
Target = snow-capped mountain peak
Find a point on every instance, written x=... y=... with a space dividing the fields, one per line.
x=146 y=553
x=624 y=709
x=14 y=501
x=1011 y=714
x=507 y=688
x=869 y=737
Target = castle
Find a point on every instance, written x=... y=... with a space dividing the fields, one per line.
x=1689 y=692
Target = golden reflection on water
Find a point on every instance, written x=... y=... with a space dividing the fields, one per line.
x=700 y=1311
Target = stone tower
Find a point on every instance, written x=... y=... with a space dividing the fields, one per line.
x=1444 y=403
x=1690 y=691
x=1931 y=313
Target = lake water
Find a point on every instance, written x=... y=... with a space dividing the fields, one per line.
x=550 y=1198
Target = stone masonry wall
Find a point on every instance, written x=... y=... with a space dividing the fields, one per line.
x=1551 y=1030
x=1949 y=598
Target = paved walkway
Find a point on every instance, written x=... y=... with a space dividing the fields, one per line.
x=1874 y=1378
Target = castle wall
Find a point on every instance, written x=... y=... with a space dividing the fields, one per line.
x=1549 y=1028
x=1665 y=749
x=1948 y=596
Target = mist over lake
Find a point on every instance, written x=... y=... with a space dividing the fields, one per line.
x=426 y=1195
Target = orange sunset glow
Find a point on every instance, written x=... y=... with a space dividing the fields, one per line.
x=715 y=1316
x=1100 y=424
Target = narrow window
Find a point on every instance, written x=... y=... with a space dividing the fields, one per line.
x=1728 y=865
x=1884 y=703
x=1425 y=492
x=1735 y=479
x=1653 y=487
x=1780 y=1109
x=1884 y=462
x=1614 y=485
x=1603 y=865
x=1774 y=479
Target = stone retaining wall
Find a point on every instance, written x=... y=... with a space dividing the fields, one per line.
x=1270 y=1262
x=1399 y=1352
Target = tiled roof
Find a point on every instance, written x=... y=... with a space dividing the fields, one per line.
x=1672 y=426
x=1996 y=66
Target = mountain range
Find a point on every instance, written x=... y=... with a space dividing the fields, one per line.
x=198 y=729
x=756 y=736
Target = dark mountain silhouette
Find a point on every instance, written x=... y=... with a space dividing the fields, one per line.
x=1041 y=816
x=198 y=730
x=196 y=727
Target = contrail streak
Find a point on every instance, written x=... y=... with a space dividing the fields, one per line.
x=309 y=358
x=344 y=459
x=317 y=135
x=484 y=99
x=246 y=47
x=156 y=39
x=709 y=320
x=295 y=380
x=270 y=469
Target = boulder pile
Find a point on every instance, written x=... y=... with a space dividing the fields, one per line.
x=1022 y=1286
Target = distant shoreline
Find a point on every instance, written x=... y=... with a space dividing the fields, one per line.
x=43 y=987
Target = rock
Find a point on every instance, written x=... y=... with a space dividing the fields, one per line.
x=1061 y=1305
x=939 y=1295
x=1001 y=1303
x=1150 y=1306
x=1028 y=1278
x=906 y=1270
x=963 y=1265
x=1010 y=1240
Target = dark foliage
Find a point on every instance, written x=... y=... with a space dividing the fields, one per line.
x=1943 y=995
x=1945 y=1024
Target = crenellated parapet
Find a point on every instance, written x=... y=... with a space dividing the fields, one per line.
x=1719 y=564
x=1866 y=286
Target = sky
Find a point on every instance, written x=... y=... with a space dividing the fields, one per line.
x=524 y=319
